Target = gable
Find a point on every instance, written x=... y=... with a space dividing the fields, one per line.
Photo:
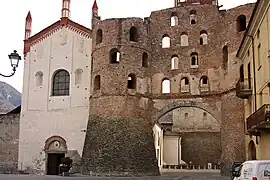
x=50 y=30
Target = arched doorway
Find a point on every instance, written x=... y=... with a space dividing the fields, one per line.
x=252 y=150
x=55 y=149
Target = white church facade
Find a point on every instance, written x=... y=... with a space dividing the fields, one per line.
x=56 y=91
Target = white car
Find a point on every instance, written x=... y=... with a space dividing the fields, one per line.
x=253 y=170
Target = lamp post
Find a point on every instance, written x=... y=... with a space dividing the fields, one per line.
x=14 y=58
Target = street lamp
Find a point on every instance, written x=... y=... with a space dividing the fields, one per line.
x=14 y=58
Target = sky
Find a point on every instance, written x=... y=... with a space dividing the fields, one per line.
x=46 y=12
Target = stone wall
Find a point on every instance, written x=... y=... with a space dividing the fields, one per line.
x=232 y=131
x=201 y=148
x=9 y=142
x=123 y=147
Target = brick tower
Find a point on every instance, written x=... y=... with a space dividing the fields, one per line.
x=119 y=104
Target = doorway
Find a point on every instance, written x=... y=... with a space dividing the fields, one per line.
x=252 y=150
x=53 y=162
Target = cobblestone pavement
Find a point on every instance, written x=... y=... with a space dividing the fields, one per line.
x=165 y=176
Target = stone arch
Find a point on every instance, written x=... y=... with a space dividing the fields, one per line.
x=252 y=150
x=61 y=141
x=181 y=103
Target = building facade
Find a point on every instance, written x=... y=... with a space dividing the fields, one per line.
x=253 y=85
x=177 y=68
x=55 y=97
x=175 y=71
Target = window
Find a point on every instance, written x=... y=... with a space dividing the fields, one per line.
x=133 y=34
x=204 y=85
x=61 y=83
x=174 y=62
x=242 y=73
x=166 y=86
x=259 y=55
x=145 y=60
x=184 y=84
x=174 y=19
x=249 y=76
x=241 y=23
x=194 y=60
x=225 y=57
x=39 y=78
x=184 y=39
x=204 y=80
x=258 y=34
x=131 y=81
x=78 y=76
x=204 y=116
x=166 y=41
x=99 y=36
x=193 y=17
x=203 y=37
x=115 y=56
x=97 y=82
x=186 y=116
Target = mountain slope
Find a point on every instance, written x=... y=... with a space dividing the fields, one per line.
x=10 y=98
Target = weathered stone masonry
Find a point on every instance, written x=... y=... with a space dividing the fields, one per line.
x=119 y=139
x=9 y=142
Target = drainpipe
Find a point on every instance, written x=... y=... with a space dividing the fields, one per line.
x=254 y=71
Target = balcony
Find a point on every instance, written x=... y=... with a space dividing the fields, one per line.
x=243 y=90
x=259 y=121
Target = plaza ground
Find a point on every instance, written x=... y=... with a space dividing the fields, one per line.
x=165 y=176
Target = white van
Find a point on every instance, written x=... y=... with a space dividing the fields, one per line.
x=253 y=170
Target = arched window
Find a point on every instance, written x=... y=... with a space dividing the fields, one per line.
x=225 y=57
x=184 y=84
x=184 y=39
x=97 y=82
x=166 y=41
x=78 y=76
x=166 y=86
x=204 y=84
x=204 y=116
x=145 y=60
x=133 y=34
x=99 y=36
x=131 y=81
x=115 y=56
x=61 y=83
x=241 y=23
x=192 y=16
x=186 y=116
x=39 y=78
x=174 y=19
x=194 y=60
x=203 y=37
x=174 y=62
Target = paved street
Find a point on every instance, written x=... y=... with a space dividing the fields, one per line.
x=165 y=176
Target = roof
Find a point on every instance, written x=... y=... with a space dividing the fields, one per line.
x=249 y=24
x=17 y=110
x=64 y=22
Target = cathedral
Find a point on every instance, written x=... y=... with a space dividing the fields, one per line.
x=131 y=96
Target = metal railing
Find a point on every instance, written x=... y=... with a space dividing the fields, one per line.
x=261 y=115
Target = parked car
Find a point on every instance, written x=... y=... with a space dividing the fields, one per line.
x=235 y=169
x=252 y=170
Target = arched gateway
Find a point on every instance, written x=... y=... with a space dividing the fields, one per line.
x=55 y=149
